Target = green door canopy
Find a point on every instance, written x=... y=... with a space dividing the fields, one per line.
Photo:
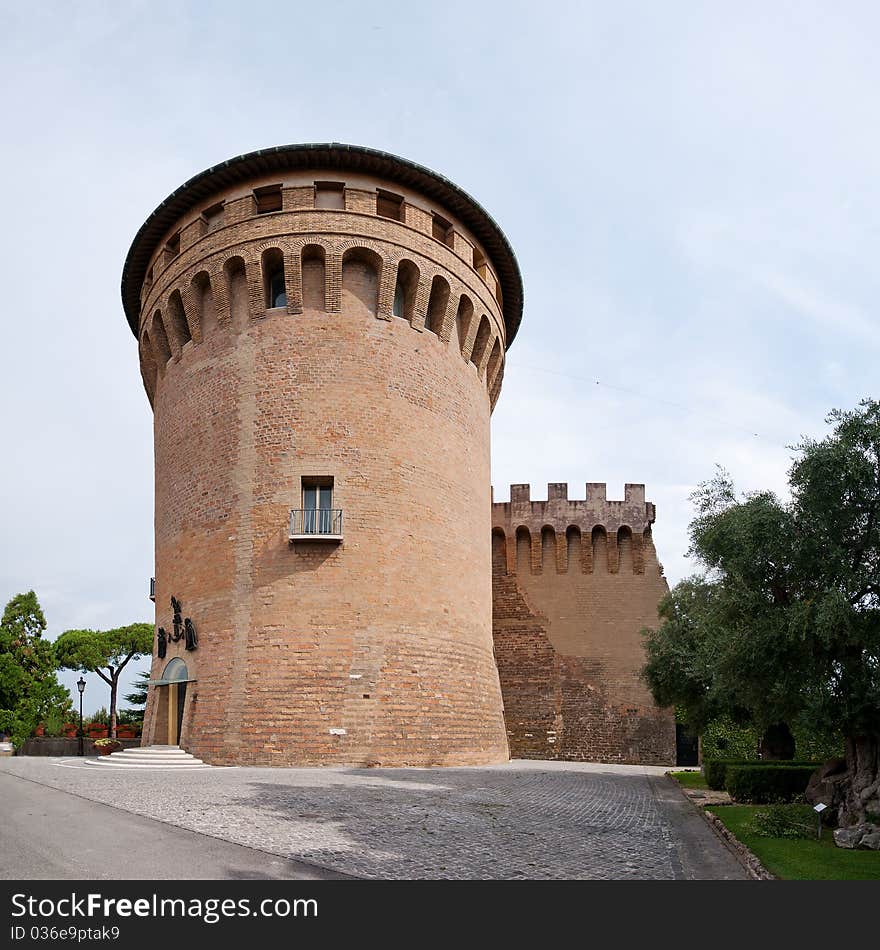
x=174 y=672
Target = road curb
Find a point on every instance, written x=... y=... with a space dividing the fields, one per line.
x=747 y=858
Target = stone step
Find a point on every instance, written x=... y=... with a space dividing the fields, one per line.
x=171 y=766
x=152 y=751
x=147 y=760
x=152 y=757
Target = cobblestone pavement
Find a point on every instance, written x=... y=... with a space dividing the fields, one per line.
x=536 y=820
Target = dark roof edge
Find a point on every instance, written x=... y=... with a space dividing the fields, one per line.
x=332 y=154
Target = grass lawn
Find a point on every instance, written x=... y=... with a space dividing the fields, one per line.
x=799 y=859
x=689 y=779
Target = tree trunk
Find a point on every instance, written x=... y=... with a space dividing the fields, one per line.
x=861 y=800
x=113 y=684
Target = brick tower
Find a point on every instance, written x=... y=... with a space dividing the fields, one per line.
x=322 y=332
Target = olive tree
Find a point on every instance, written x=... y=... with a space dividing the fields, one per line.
x=783 y=624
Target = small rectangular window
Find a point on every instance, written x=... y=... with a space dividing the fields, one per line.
x=268 y=198
x=330 y=194
x=441 y=229
x=479 y=263
x=173 y=245
x=389 y=205
x=214 y=216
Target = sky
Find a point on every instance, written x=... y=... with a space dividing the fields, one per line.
x=691 y=191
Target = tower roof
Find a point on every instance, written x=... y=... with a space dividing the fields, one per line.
x=331 y=155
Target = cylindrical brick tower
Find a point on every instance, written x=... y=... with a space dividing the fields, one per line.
x=322 y=332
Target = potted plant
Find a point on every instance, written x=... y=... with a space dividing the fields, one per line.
x=106 y=746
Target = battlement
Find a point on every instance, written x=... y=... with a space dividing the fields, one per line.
x=575 y=581
x=561 y=512
x=312 y=261
x=295 y=178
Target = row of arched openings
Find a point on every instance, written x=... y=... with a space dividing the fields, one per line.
x=577 y=554
x=362 y=268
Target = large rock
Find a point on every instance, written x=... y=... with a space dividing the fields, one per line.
x=849 y=837
x=828 y=785
x=871 y=840
x=864 y=835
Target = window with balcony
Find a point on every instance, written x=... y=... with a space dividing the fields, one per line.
x=317 y=519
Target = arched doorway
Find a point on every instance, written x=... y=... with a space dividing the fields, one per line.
x=171 y=701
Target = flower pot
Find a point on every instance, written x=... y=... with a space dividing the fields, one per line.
x=107 y=749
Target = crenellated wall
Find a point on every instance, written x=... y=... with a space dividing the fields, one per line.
x=445 y=290
x=574 y=582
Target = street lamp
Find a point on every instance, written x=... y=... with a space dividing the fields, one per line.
x=81 y=686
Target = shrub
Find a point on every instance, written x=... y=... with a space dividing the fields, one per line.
x=54 y=721
x=816 y=746
x=784 y=821
x=761 y=784
x=715 y=770
x=722 y=738
x=99 y=718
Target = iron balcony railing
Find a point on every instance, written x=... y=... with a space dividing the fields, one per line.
x=317 y=523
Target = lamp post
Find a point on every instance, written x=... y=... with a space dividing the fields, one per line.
x=81 y=686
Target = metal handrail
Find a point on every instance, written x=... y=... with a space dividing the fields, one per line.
x=315 y=521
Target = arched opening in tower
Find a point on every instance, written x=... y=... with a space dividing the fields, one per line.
x=361 y=270
x=313 y=277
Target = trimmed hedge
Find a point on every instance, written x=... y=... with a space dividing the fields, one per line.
x=715 y=770
x=763 y=784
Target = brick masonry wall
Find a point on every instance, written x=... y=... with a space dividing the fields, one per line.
x=573 y=584
x=375 y=651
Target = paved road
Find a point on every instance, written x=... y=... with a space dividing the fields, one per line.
x=50 y=835
x=535 y=820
